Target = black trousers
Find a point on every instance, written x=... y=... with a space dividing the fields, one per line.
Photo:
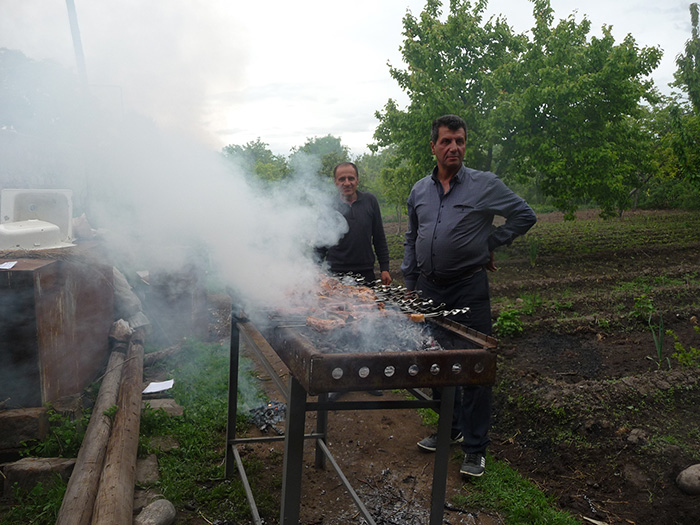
x=473 y=404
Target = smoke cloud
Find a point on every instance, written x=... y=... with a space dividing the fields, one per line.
x=148 y=190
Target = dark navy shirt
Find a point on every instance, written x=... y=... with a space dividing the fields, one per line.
x=448 y=233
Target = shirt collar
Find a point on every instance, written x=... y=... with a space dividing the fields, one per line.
x=457 y=178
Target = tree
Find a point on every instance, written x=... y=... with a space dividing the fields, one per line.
x=576 y=116
x=256 y=157
x=454 y=66
x=558 y=110
x=687 y=75
x=686 y=117
x=328 y=150
x=381 y=176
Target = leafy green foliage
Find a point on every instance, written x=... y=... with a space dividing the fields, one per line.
x=530 y=303
x=395 y=244
x=38 y=506
x=111 y=412
x=688 y=74
x=64 y=437
x=686 y=357
x=328 y=150
x=381 y=174
x=255 y=157
x=643 y=308
x=508 y=323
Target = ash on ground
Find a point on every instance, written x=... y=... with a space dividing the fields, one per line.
x=392 y=502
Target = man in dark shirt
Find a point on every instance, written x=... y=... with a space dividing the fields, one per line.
x=449 y=242
x=355 y=251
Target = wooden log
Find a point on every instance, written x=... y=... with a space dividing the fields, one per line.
x=81 y=491
x=115 y=498
x=152 y=358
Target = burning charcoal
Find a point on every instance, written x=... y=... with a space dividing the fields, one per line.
x=267 y=415
x=430 y=344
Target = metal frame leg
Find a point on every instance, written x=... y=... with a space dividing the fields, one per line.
x=293 y=454
x=442 y=455
x=232 y=397
x=321 y=429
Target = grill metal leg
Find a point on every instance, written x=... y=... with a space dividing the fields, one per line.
x=293 y=453
x=321 y=429
x=232 y=397
x=442 y=455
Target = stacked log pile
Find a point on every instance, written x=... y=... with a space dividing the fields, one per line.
x=101 y=488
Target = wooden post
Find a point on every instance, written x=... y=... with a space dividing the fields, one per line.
x=114 y=503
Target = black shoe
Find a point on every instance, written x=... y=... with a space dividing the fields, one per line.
x=473 y=465
x=377 y=393
x=430 y=443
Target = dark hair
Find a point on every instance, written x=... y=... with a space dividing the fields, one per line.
x=357 y=172
x=451 y=122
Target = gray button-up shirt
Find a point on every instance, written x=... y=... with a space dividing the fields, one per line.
x=448 y=233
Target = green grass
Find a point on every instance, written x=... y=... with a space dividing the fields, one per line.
x=193 y=473
x=518 y=500
x=38 y=506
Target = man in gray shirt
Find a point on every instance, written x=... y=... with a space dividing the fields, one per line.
x=448 y=245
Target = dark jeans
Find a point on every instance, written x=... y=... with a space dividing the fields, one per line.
x=473 y=404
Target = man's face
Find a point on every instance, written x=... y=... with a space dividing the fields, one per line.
x=346 y=181
x=449 y=148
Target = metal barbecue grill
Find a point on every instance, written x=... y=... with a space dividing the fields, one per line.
x=314 y=372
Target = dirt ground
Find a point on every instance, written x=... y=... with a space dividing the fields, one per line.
x=582 y=408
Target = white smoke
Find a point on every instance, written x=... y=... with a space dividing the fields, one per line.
x=149 y=190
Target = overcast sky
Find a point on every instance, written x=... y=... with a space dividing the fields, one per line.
x=230 y=72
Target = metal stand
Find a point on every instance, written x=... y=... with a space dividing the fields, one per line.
x=297 y=406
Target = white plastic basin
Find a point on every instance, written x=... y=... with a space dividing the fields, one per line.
x=53 y=206
x=31 y=234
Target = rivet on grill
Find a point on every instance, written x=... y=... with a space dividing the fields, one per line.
x=389 y=371
x=337 y=373
x=435 y=369
x=413 y=370
x=479 y=367
x=363 y=372
x=456 y=368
